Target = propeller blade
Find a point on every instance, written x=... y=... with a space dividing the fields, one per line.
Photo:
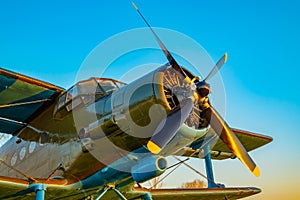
x=168 y=55
x=230 y=139
x=170 y=127
x=217 y=67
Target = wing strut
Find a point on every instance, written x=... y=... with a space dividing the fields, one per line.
x=110 y=187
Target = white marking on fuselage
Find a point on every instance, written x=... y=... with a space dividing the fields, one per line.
x=22 y=153
x=31 y=147
x=14 y=159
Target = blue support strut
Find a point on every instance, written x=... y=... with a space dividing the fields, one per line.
x=39 y=190
x=209 y=170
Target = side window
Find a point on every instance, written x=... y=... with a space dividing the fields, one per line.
x=118 y=98
x=107 y=106
x=72 y=93
x=61 y=101
x=98 y=107
x=67 y=96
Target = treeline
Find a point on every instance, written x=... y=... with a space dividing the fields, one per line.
x=194 y=184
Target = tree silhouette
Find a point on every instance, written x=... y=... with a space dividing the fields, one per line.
x=194 y=184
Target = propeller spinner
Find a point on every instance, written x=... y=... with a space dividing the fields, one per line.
x=210 y=114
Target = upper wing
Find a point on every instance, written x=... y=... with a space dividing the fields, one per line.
x=21 y=99
x=220 y=151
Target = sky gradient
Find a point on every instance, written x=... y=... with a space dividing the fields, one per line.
x=49 y=40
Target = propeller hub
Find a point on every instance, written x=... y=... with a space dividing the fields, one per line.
x=203 y=88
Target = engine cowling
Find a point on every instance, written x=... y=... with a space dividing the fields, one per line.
x=149 y=168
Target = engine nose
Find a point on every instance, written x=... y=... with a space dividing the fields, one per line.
x=176 y=88
x=203 y=88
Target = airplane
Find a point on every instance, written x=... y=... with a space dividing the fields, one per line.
x=101 y=137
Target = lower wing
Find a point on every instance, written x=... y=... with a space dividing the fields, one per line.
x=200 y=194
x=17 y=188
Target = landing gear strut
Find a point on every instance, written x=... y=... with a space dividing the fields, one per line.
x=209 y=170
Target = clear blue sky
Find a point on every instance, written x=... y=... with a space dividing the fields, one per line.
x=49 y=40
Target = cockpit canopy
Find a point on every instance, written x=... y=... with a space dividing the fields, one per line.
x=83 y=93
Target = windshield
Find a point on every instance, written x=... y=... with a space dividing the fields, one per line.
x=107 y=85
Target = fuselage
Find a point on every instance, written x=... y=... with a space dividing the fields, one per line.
x=98 y=124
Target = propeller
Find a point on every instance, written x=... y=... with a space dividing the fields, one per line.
x=210 y=114
x=219 y=124
x=168 y=55
x=170 y=126
x=229 y=138
x=217 y=67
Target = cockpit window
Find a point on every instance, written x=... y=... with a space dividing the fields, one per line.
x=88 y=87
x=85 y=92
